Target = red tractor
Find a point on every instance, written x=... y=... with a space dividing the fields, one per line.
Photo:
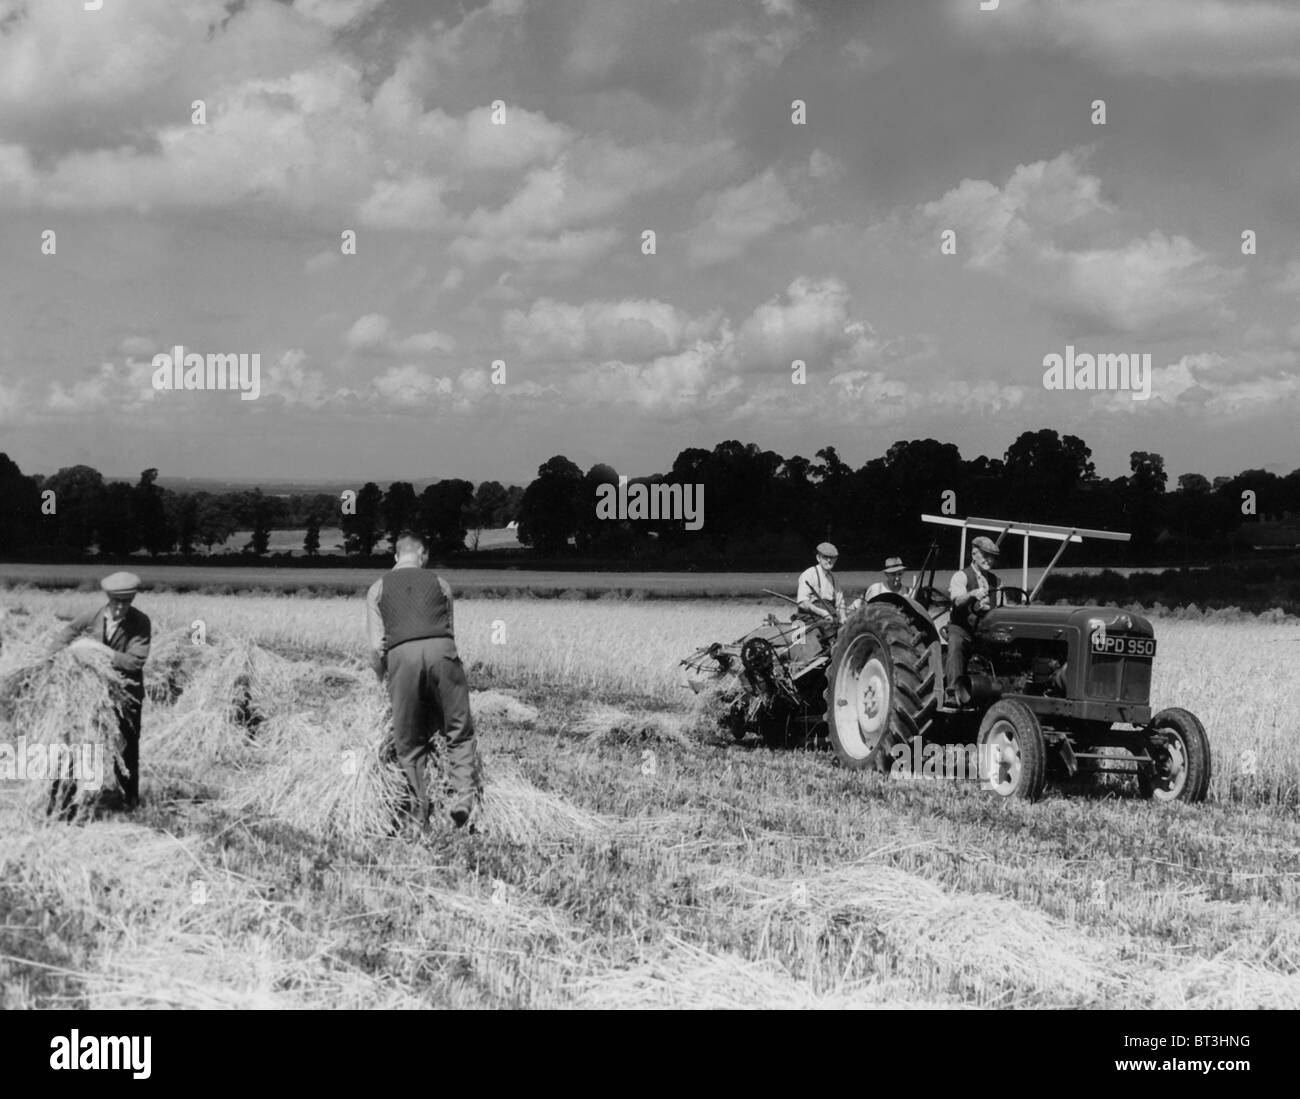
x=1046 y=690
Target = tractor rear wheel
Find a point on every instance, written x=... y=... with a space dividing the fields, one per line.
x=1181 y=751
x=1012 y=751
x=880 y=686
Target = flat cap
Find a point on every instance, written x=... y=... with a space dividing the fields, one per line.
x=120 y=585
x=986 y=545
x=827 y=550
x=894 y=564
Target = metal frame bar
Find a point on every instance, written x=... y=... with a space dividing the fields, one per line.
x=1036 y=530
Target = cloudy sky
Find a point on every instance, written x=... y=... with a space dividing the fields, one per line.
x=522 y=242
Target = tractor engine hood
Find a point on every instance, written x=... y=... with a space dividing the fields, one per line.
x=1115 y=619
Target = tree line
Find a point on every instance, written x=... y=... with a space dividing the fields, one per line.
x=759 y=507
x=64 y=515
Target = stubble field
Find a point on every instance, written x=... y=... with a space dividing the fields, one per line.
x=625 y=857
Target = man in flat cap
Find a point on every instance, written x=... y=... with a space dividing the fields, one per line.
x=412 y=642
x=893 y=580
x=972 y=592
x=126 y=633
x=818 y=593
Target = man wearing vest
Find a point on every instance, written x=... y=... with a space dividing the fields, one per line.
x=125 y=632
x=972 y=592
x=412 y=642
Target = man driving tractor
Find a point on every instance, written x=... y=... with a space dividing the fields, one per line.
x=972 y=591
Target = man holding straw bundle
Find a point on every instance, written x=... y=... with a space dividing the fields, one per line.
x=125 y=632
x=410 y=629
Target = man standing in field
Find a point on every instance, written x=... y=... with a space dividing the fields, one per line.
x=126 y=632
x=972 y=592
x=412 y=642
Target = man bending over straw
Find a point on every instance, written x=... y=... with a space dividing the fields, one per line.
x=125 y=631
x=412 y=641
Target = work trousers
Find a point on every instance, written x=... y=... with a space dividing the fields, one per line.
x=428 y=689
x=959 y=642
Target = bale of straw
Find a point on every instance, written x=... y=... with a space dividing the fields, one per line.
x=70 y=699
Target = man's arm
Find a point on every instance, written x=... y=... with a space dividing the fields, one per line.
x=137 y=649
x=375 y=627
x=809 y=598
x=72 y=631
x=958 y=591
x=451 y=607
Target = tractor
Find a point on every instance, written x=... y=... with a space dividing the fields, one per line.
x=1047 y=691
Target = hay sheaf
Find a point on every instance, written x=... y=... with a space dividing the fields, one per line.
x=330 y=774
x=602 y=724
x=980 y=944
x=168 y=930
x=513 y=807
x=503 y=707
x=65 y=706
x=683 y=976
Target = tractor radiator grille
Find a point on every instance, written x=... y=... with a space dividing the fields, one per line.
x=1119 y=678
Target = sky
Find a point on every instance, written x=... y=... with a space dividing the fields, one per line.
x=518 y=239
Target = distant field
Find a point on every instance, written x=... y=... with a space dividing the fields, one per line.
x=465 y=581
x=331 y=541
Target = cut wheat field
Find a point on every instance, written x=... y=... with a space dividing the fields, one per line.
x=625 y=856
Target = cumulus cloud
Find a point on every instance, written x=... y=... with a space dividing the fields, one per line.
x=811 y=321
x=735 y=218
x=337 y=13
x=374 y=333
x=1022 y=232
x=1215 y=39
x=631 y=330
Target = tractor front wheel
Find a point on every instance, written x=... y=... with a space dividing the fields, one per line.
x=1181 y=753
x=1012 y=751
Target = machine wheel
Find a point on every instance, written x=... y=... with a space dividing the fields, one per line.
x=1012 y=751
x=880 y=686
x=1181 y=750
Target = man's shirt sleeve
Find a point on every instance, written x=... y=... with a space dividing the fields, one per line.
x=805 y=591
x=73 y=630
x=374 y=620
x=957 y=586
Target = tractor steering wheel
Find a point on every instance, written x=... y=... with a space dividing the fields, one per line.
x=1012 y=597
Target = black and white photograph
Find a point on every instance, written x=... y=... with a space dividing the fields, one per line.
x=603 y=505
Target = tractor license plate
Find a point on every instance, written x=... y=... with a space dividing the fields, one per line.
x=1117 y=645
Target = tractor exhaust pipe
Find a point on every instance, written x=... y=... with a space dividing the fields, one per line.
x=978 y=690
